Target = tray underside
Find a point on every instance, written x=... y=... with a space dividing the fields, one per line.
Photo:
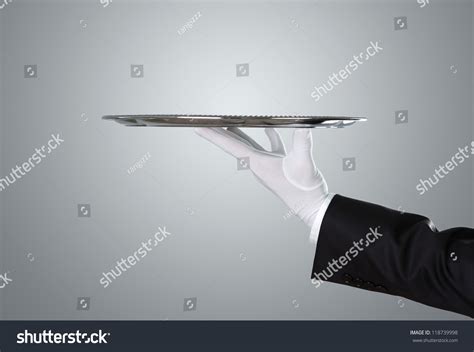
x=234 y=121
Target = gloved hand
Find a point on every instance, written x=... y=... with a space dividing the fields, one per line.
x=292 y=176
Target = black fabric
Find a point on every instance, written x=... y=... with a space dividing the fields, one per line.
x=410 y=258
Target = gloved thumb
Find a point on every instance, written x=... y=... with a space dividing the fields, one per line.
x=299 y=167
x=303 y=143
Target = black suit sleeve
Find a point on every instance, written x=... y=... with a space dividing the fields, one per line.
x=375 y=248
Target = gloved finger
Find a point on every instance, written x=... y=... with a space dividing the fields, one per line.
x=303 y=143
x=245 y=138
x=276 y=142
x=225 y=140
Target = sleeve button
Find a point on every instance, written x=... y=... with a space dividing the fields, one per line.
x=348 y=279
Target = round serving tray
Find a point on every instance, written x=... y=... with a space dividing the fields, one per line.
x=234 y=121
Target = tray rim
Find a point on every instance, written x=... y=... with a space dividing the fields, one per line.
x=214 y=120
x=143 y=116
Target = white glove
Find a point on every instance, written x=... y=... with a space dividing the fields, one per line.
x=292 y=176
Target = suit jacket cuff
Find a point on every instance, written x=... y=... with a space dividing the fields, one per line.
x=316 y=228
x=347 y=222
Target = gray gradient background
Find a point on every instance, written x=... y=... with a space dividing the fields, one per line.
x=291 y=46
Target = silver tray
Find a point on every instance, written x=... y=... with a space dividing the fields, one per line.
x=291 y=121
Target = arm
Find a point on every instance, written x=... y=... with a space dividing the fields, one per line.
x=407 y=256
x=404 y=255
